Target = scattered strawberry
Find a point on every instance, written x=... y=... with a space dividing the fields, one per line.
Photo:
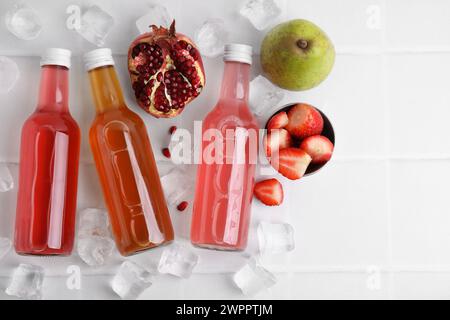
x=276 y=140
x=182 y=206
x=292 y=163
x=166 y=152
x=278 y=121
x=172 y=129
x=269 y=192
x=319 y=148
x=304 y=121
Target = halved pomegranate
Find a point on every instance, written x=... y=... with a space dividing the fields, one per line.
x=166 y=71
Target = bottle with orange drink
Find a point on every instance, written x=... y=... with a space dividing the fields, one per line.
x=125 y=163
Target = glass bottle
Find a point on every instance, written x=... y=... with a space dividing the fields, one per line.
x=125 y=163
x=225 y=178
x=48 y=174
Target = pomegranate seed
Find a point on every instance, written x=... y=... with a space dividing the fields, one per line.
x=146 y=102
x=182 y=206
x=142 y=46
x=148 y=91
x=194 y=54
x=135 y=52
x=172 y=129
x=137 y=85
x=166 y=153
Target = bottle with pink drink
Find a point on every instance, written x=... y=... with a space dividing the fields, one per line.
x=225 y=179
x=48 y=175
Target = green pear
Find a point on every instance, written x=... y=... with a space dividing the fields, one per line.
x=297 y=55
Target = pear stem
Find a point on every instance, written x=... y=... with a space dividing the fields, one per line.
x=302 y=44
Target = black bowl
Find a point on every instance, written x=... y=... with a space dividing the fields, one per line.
x=328 y=132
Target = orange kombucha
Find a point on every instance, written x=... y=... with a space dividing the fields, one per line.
x=125 y=164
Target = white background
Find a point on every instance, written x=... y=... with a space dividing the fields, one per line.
x=375 y=223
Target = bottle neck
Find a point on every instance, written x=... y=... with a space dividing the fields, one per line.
x=235 y=83
x=106 y=89
x=54 y=89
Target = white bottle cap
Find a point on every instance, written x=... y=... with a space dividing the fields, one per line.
x=238 y=52
x=98 y=58
x=56 y=57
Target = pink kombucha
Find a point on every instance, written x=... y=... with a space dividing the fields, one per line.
x=225 y=180
x=48 y=175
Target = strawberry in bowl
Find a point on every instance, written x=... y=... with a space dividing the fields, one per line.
x=299 y=141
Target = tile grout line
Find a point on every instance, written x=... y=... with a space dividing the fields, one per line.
x=418 y=157
x=385 y=91
x=337 y=158
x=357 y=50
x=292 y=272
x=373 y=50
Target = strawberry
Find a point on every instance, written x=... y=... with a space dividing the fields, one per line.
x=304 y=121
x=292 y=163
x=269 y=192
x=278 y=121
x=276 y=140
x=320 y=148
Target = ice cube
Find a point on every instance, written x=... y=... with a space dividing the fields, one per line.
x=261 y=13
x=264 y=96
x=178 y=185
x=157 y=15
x=274 y=238
x=26 y=282
x=94 y=245
x=6 y=179
x=5 y=246
x=23 y=22
x=95 y=25
x=94 y=222
x=9 y=74
x=177 y=261
x=253 y=278
x=131 y=280
x=211 y=37
x=95 y=250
